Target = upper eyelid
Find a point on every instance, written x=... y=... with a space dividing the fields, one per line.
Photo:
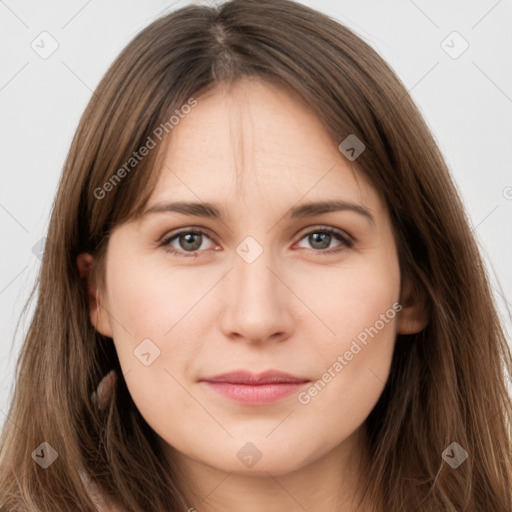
x=178 y=231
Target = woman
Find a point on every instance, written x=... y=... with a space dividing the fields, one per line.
x=240 y=364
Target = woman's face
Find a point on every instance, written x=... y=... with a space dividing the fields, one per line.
x=263 y=287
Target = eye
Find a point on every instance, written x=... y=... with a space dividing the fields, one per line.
x=322 y=237
x=190 y=241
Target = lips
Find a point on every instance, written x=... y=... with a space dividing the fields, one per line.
x=255 y=389
x=253 y=379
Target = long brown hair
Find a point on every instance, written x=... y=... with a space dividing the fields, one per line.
x=447 y=384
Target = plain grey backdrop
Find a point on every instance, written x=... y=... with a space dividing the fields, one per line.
x=454 y=57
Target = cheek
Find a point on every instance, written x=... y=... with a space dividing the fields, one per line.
x=359 y=305
x=150 y=317
x=156 y=319
x=150 y=299
x=147 y=311
x=352 y=298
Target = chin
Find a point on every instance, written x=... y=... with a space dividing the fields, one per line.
x=258 y=458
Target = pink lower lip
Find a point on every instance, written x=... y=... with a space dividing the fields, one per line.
x=256 y=394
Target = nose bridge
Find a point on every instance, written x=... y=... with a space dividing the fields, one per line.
x=257 y=304
x=254 y=279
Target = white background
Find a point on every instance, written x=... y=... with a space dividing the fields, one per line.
x=467 y=102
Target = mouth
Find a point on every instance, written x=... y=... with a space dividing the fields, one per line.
x=255 y=389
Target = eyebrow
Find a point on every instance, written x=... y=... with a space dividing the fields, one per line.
x=212 y=211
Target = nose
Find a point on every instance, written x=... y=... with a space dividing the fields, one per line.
x=257 y=301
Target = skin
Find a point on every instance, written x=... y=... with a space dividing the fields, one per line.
x=293 y=309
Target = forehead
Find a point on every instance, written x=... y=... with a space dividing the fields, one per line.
x=257 y=143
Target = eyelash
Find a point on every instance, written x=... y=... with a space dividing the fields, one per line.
x=346 y=242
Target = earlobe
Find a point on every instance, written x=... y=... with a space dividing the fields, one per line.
x=97 y=313
x=413 y=316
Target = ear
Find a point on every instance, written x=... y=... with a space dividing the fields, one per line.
x=97 y=313
x=413 y=316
